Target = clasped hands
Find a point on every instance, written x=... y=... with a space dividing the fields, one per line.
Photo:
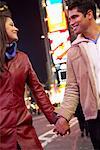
x=62 y=127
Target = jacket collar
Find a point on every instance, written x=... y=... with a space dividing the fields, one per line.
x=80 y=38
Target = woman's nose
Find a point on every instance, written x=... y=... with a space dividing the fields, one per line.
x=16 y=29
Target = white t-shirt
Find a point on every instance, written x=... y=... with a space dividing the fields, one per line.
x=94 y=53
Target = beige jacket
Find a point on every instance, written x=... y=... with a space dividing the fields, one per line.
x=81 y=83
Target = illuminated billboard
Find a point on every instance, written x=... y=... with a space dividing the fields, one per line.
x=60 y=43
x=56 y=17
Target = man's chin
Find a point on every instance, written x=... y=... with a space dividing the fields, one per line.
x=77 y=32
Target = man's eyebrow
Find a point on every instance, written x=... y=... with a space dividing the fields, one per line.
x=73 y=16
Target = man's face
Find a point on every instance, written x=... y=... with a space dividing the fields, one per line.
x=78 y=22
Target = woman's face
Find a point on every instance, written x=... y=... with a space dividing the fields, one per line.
x=11 y=30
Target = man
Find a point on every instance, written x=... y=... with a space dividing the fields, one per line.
x=83 y=70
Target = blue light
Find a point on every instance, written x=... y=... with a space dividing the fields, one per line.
x=54 y=1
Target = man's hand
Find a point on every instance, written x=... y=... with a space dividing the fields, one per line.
x=62 y=127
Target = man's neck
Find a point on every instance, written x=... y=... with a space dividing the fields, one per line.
x=93 y=32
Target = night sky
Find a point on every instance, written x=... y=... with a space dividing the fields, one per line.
x=26 y=17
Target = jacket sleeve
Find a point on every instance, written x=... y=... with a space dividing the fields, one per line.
x=40 y=95
x=71 y=95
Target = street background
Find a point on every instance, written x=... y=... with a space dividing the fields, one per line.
x=50 y=141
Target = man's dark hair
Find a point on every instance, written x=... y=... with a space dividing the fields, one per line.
x=83 y=6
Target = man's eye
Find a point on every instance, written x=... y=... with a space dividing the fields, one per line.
x=74 y=16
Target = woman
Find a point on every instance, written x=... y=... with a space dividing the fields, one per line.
x=16 y=130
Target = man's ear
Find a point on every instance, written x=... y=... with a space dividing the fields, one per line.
x=90 y=14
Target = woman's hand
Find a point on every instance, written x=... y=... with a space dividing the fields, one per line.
x=62 y=126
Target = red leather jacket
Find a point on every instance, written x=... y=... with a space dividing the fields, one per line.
x=15 y=119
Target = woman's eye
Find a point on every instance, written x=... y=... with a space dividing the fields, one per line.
x=11 y=24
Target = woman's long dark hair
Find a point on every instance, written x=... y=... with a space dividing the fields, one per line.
x=4 y=13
